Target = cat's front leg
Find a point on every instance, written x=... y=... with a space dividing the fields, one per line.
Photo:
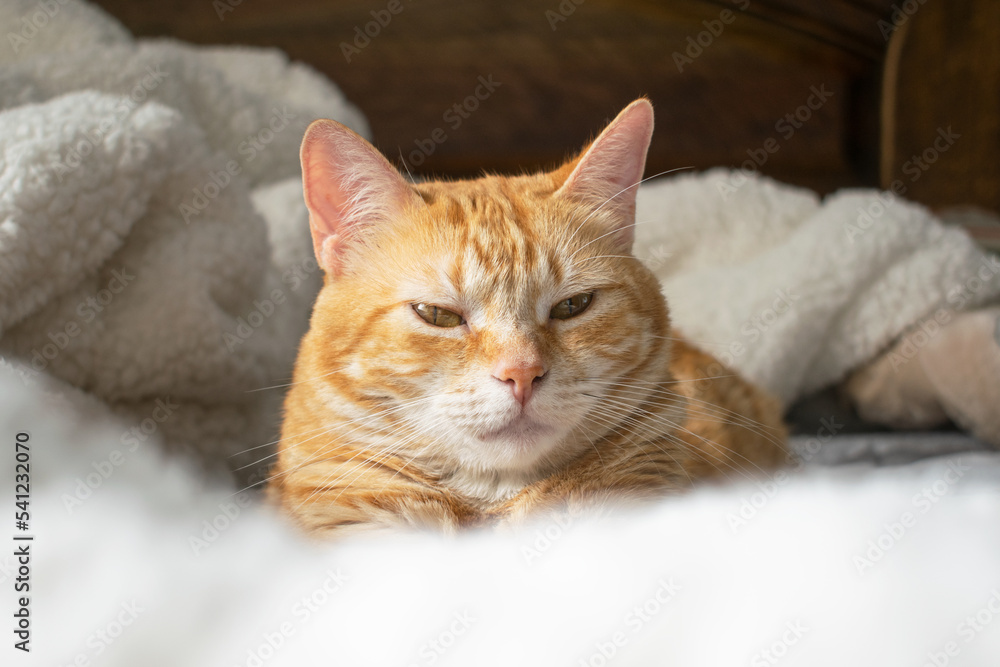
x=582 y=495
x=329 y=514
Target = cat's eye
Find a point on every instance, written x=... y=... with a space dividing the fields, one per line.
x=572 y=306
x=439 y=317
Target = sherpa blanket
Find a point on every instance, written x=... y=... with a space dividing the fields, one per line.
x=794 y=291
x=156 y=273
x=154 y=246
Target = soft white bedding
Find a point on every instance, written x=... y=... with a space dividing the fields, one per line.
x=856 y=565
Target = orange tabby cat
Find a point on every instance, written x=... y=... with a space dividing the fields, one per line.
x=485 y=350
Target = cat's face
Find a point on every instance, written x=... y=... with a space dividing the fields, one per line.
x=483 y=324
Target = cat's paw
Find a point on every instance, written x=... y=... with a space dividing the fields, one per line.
x=567 y=510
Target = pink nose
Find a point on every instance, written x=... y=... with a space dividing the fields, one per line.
x=520 y=377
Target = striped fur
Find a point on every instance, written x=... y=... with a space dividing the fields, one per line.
x=392 y=421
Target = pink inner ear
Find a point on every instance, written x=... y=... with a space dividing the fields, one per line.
x=348 y=186
x=609 y=172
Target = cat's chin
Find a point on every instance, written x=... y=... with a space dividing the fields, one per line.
x=522 y=433
x=521 y=444
x=524 y=437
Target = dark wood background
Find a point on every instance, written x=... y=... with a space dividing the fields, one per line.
x=896 y=80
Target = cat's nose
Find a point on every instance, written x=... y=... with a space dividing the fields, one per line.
x=520 y=377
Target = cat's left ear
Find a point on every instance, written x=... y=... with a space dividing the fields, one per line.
x=607 y=175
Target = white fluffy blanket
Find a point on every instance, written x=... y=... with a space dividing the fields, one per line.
x=137 y=563
x=154 y=246
x=795 y=292
x=155 y=272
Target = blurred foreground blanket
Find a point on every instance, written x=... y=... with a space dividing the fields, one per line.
x=154 y=249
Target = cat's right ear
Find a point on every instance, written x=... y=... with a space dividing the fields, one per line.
x=608 y=173
x=349 y=188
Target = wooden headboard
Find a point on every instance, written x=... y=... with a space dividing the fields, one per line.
x=823 y=93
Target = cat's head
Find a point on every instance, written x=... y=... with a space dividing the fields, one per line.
x=482 y=323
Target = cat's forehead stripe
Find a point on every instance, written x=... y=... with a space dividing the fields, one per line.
x=509 y=235
x=492 y=221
